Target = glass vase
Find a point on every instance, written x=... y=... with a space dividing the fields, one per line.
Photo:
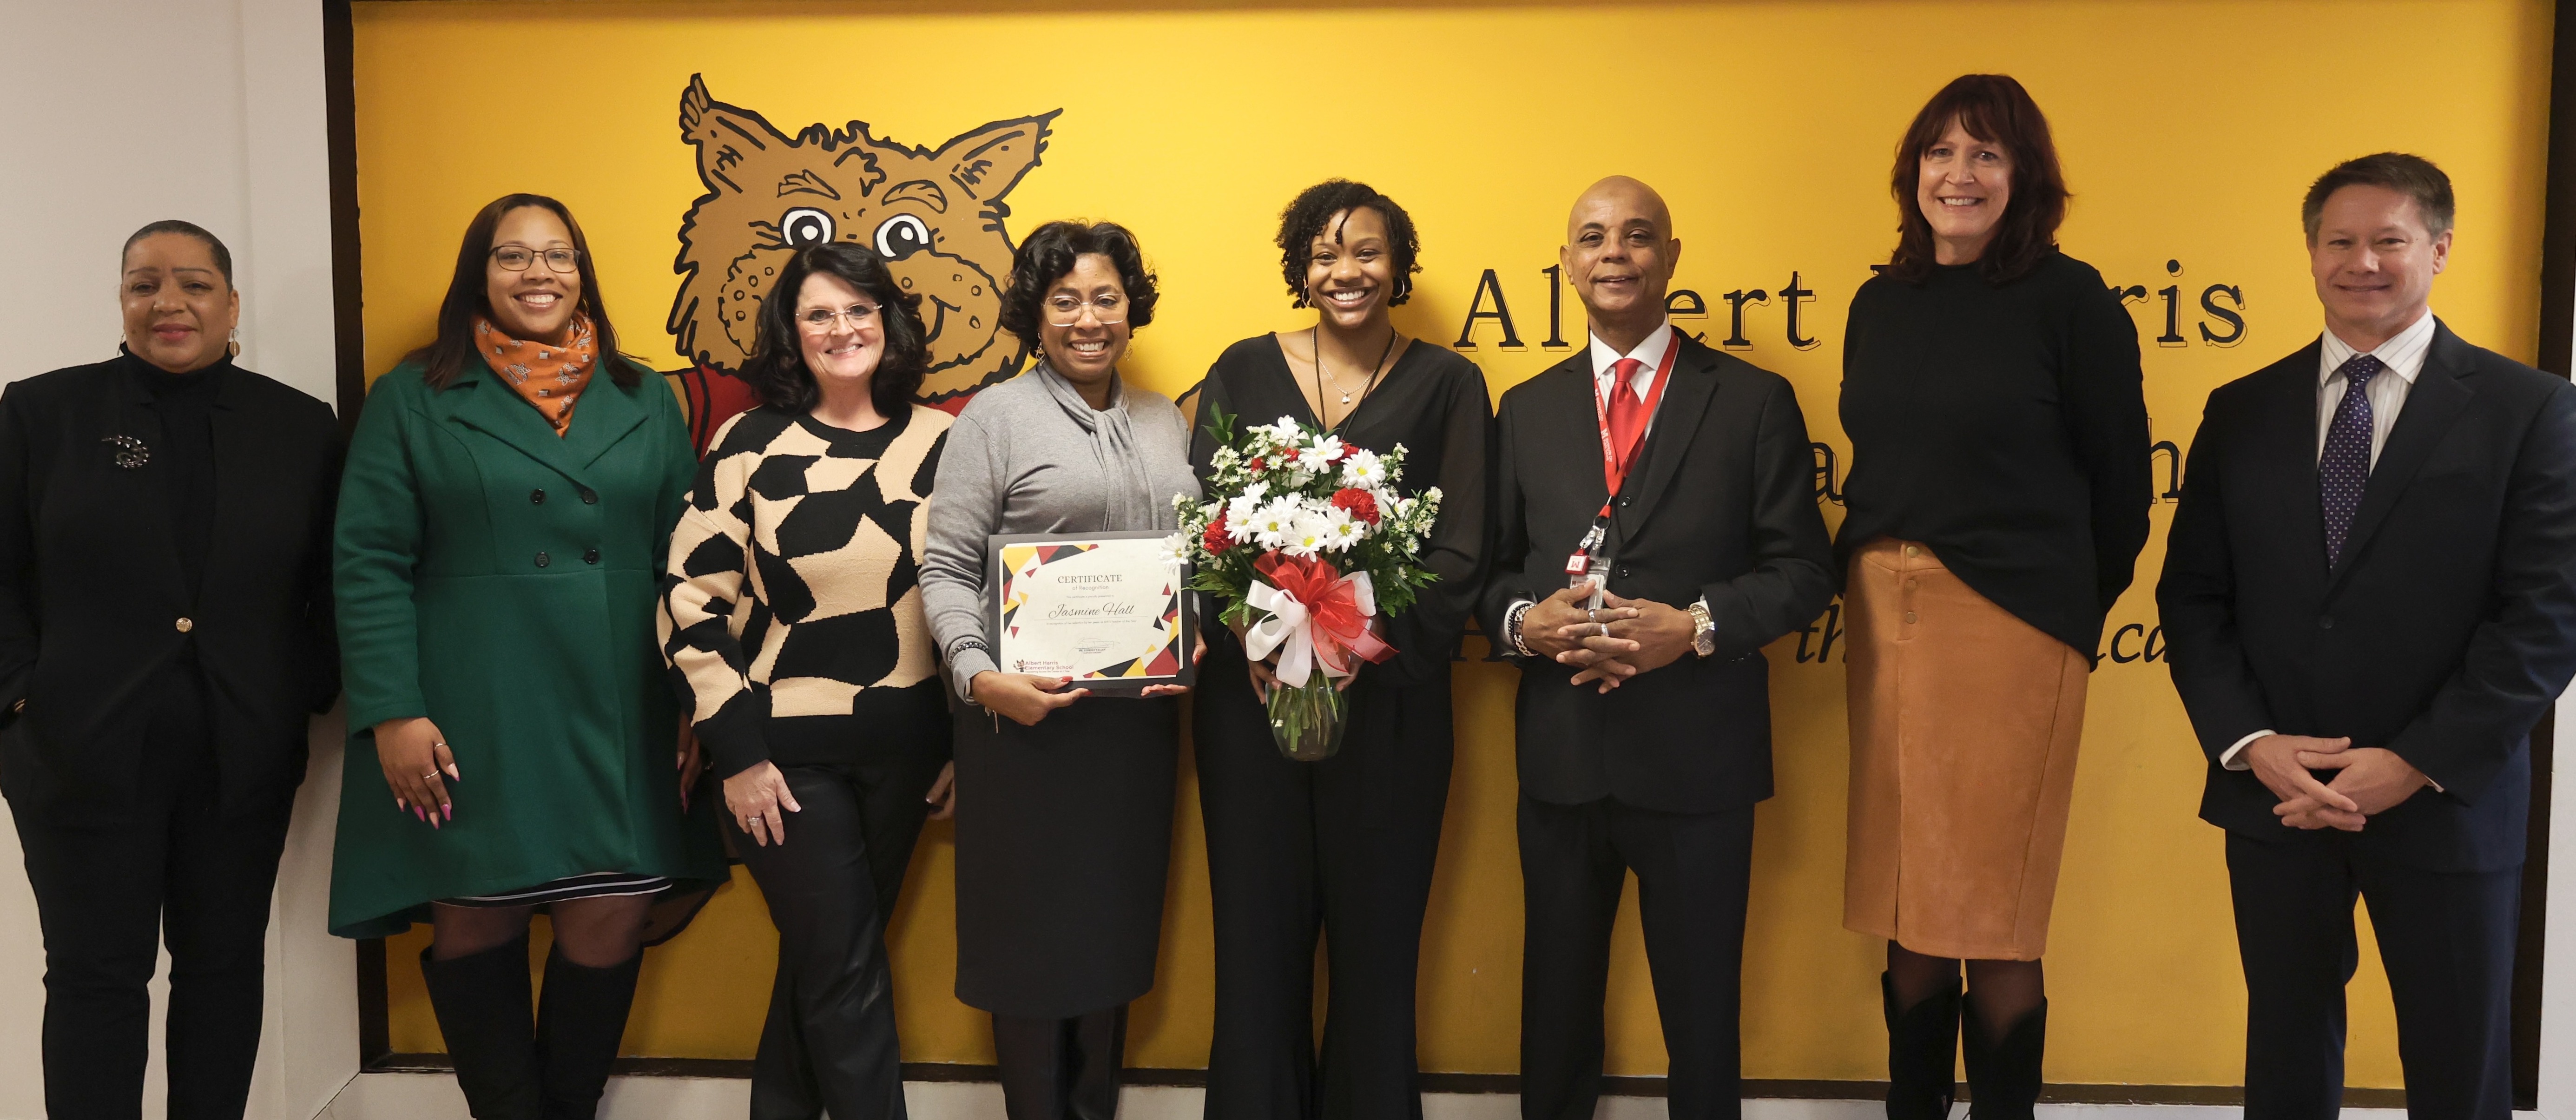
x=1306 y=721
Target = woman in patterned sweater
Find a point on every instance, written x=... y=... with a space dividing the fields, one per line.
x=793 y=620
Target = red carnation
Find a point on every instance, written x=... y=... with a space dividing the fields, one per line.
x=1215 y=540
x=1361 y=504
x=1256 y=466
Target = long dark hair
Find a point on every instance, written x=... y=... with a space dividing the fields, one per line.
x=453 y=353
x=777 y=370
x=1996 y=109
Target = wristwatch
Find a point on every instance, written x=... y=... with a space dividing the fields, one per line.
x=1703 y=628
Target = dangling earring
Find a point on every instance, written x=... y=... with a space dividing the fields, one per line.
x=232 y=347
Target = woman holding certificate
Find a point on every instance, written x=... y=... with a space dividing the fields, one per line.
x=1347 y=843
x=1064 y=806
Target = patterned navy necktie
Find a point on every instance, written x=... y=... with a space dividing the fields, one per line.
x=2345 y=467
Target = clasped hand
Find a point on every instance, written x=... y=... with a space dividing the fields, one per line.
x=2368 y=780
x=1609 y=644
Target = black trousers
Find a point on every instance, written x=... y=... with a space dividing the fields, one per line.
x=829 y=1042
x=1344 y=848
x=1060 y=1069
x=110 y=893
x=1693 y=872
x=2447 y=940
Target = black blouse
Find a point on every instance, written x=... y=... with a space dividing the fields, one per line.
x=2004 y=426
x=1434 y=403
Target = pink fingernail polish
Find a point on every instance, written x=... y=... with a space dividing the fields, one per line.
x=415 y=812
x=448 y=811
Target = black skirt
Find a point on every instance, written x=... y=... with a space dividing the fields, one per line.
x=1064 y=835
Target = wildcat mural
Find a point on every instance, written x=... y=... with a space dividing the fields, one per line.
x=935 y=215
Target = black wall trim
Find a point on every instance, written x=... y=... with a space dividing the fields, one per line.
x=1754 y=1089
x=2557 y=329
x=348 y=302
x=2557 y=340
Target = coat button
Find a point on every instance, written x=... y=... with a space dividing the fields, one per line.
x=543 y=559
x=589 y=497
x=184 y=625
x=537 y=497
x=2325 y=622
x=590 y=556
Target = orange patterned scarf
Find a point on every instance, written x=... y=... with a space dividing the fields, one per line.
x=547 y=376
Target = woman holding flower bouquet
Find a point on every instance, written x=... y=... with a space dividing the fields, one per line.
x=1345 y=843
x=1064 y=800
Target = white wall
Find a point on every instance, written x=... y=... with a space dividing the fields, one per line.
x=131 y=111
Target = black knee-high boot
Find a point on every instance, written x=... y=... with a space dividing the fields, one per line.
x=1922 y=1053
x=580 y=1017
x=482 y=1005
x=2003 y=1074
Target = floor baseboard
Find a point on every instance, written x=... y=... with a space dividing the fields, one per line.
x=432 y=1095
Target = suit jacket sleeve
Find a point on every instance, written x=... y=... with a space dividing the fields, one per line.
x=1792 y=576
x=321 y=627
x=375 y=551
x=18 y=637
x=1506 y=583
x=2521 y=657
x=2106 y=411
x=2196 y=599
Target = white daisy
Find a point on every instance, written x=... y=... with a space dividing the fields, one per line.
x=1363 y=469
x=1319 y=455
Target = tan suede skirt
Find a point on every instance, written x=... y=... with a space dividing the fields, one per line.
x=1964 y=724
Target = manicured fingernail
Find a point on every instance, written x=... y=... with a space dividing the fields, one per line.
x=415 y=812
x=400 y=804
x=448 y=811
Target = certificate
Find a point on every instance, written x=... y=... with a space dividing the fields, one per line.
x=1107 y=609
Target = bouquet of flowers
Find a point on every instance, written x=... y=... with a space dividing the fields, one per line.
x=1305 y=539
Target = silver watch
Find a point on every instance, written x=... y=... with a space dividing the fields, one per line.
x=1703 y=628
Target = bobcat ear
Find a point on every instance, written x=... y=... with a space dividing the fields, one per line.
x=725 y=136
x=989 y=161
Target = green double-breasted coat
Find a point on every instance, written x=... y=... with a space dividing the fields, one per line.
x=502 y=581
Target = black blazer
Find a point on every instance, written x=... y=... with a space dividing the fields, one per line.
x=91 y=594
x=1722 y=503
x=2446 y=631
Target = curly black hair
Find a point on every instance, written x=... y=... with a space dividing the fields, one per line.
x=1305 y=218
x=1048 y=253
x=777 y=370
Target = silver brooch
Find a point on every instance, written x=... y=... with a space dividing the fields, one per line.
x=130 y=452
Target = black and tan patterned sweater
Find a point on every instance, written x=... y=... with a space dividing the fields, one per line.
x=791 y=610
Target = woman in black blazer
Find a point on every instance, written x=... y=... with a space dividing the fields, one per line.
x=156 y=671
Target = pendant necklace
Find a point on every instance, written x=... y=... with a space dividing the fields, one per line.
x=1375 y=371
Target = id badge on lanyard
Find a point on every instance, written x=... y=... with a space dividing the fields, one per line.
x=1589 y=566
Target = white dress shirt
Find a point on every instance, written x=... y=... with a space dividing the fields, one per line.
x=2403 y=355
x=1649 y=354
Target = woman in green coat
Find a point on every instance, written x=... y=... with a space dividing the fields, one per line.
x=503 y=521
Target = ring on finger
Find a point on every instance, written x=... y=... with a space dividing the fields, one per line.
x=431 y=776
x=1605 y=628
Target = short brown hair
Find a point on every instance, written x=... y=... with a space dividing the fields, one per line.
x=2410 y=175
x=1996 y=109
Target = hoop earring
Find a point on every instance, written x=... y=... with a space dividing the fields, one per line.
x=232 y=345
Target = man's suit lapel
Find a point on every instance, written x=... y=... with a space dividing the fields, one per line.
x=2440 y=392
x=2286 y=443
x=1677 y=422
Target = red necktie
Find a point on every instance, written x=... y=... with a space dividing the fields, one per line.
x=1627 y=411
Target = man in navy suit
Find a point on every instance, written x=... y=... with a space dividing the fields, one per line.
x=2370 y=598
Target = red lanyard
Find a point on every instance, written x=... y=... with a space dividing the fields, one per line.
x=1612 y=472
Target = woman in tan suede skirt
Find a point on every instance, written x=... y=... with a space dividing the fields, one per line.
x=1997 y=501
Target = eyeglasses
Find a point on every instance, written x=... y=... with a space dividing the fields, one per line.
x=819 y=320
x=1106 y=309
x=517 y=258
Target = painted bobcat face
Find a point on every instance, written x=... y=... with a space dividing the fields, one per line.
x=935 y=216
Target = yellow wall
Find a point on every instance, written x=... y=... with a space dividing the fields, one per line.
x=2188 y=131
